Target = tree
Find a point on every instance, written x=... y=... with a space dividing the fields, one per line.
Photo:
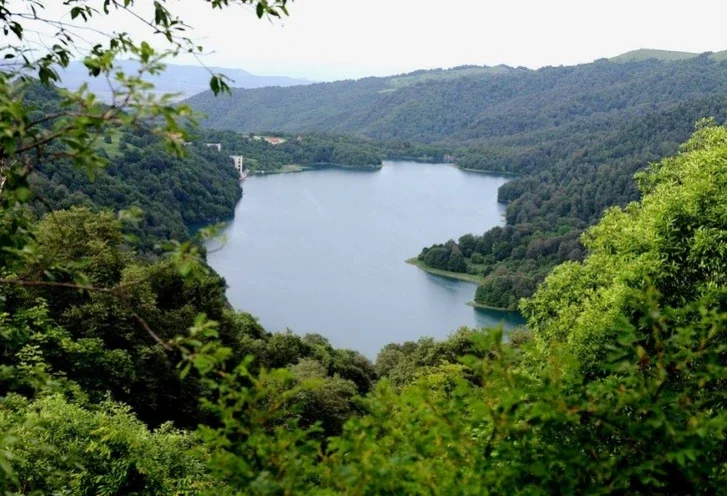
x=60 y=446
x=672 y=241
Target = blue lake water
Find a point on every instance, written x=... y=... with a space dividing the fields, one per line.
x=324 y=251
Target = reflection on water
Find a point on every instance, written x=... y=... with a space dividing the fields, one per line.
x=488 y=316
x=323 y=251
x=447 y=284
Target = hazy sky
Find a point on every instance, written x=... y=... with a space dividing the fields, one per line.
x=336 y=39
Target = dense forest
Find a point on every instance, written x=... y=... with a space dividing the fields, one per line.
x=623 y=351
x=139 y=171
x=575 y=135
x=508 y=109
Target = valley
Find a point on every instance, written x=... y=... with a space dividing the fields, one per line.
x=486 y=279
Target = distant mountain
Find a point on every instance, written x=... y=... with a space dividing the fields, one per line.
x=501 y=106
x=184 y=79
x=361 y=106
x=663 y=55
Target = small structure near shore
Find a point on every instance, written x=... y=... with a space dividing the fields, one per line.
x=239 y=162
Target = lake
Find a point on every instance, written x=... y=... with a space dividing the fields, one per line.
x=324 y=251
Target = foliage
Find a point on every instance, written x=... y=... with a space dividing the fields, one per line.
x=628 y=400
x=672 y=240
x=61 y=447
x=509 y=419
x=650 y=423
x=173 y=191
x=99 y=338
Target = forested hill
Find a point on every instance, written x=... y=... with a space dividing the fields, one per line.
x=372 y=107
x=500 y=107
x=173 y=191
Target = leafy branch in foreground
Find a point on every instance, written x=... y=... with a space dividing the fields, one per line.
x=42 y=38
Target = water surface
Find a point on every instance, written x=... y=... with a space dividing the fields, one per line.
x=323 y=251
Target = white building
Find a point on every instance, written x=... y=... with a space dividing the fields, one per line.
x=239 y=163
x=215 y=145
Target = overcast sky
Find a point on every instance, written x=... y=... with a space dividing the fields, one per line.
x=338 y=39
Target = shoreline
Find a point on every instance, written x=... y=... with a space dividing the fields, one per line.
x=474 y=304
x=460 y=276
x=293 y=168
x=481 y=171
x=418 y=160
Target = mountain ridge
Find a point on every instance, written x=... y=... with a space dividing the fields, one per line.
x=185 y=79
x=463 y=105
x=642 y=54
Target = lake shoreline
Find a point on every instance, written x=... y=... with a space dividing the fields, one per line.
x=474 y=304
x=490 y=172
x=322 y=253
x=460 y=276
x=294 y=168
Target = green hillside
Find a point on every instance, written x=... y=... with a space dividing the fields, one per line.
x=648 y=54
x=138 y=171
x=498 y=106
x=664 y=55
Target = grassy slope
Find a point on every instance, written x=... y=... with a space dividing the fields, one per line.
x=647 y=53
x=443 y=74
x=665 y=55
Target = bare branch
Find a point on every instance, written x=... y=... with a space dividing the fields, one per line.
x=151 y=333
